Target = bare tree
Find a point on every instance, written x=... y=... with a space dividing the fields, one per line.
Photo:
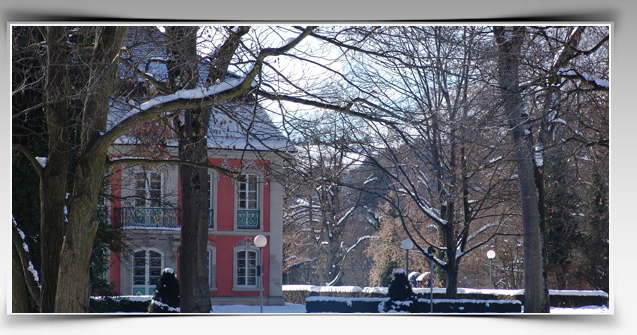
x=418 y=87
x=73 y=209
x=325 y=219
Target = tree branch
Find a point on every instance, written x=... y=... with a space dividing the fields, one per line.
x=116 y=161
x=30 y=274
x=29 y=155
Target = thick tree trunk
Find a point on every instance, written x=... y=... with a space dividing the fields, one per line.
x=509 y=42
x=195 y=294
x=53 y=186
x=73 y=287
x=193 y=147
x=451 y=268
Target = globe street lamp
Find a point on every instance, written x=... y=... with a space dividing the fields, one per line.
x=490 y=256
x=260 y=242
x=407 y=245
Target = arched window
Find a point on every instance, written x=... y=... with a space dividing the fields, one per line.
x=147 y=266
x=245 y=268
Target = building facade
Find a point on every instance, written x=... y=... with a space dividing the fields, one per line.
x=145 y=202
x=145 y=199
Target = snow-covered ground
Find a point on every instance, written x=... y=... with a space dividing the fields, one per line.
x=298 y=308
x=243 y=309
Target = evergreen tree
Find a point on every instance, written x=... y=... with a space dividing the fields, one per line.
x=107 y=240
x=595 y=239
x=166 y=298
x=401 y=297
x=562 y=231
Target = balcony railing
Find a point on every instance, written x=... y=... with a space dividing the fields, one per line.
x=248 y=219
x=151 y=217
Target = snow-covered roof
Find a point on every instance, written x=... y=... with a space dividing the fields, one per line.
x=241 y=124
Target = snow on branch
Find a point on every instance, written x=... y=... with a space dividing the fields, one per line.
x=482 y=229
x=429 y=211
x=299 y=262
x=591 y=79
x=342 y=219
x=32 y=281
x=189 y=94
x=361 y=239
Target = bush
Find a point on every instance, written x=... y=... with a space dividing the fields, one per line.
x=376 y=305
x=166 y=297
x=127 y=304
x=401 y=297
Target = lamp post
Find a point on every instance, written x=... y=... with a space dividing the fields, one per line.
x=260 y=242
x=490 y=256
x=430 y=251
x=407 y=245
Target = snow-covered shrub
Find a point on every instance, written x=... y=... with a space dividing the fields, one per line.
x=401 y=297
x=166 y=298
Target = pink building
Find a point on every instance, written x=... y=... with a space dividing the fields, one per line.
x=146 y=203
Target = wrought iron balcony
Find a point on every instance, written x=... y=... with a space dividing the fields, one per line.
x=151 y=217
x=248 y=219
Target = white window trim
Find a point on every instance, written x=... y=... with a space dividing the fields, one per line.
x=260 y=196
x=235 y=251
x=212 y=268
x=213 y=177
x=148 y=285
x=147 y=183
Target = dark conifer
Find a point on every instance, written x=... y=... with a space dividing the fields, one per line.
x=166 y=298
x=401 y=297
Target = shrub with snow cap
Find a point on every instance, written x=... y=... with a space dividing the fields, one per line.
x=401 y=297
x=166 y=298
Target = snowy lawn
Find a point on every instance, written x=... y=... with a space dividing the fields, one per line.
x=243 y=309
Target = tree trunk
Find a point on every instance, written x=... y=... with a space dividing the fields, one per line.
x=73 y=287
x=535 y=285
x=451 y=268
x=195 y=294
x=53 y=186
x=193 y=147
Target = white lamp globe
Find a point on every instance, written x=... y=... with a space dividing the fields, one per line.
x=260 y=241
x=407 y=244
x=490 y=254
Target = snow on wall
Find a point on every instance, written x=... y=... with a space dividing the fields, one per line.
x=383 y=290
x=323 y=289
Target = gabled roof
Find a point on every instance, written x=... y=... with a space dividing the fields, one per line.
x=240 y=124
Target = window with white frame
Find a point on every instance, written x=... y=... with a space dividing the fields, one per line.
x=211 y=267
x=147 y=266
x=248 y=202
x=148 y=210
x=211 y=197
x=246 y=268
x=148 y=189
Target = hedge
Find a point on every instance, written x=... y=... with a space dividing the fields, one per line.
x=127 y=304
x=318 y=304
x=298 y=294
